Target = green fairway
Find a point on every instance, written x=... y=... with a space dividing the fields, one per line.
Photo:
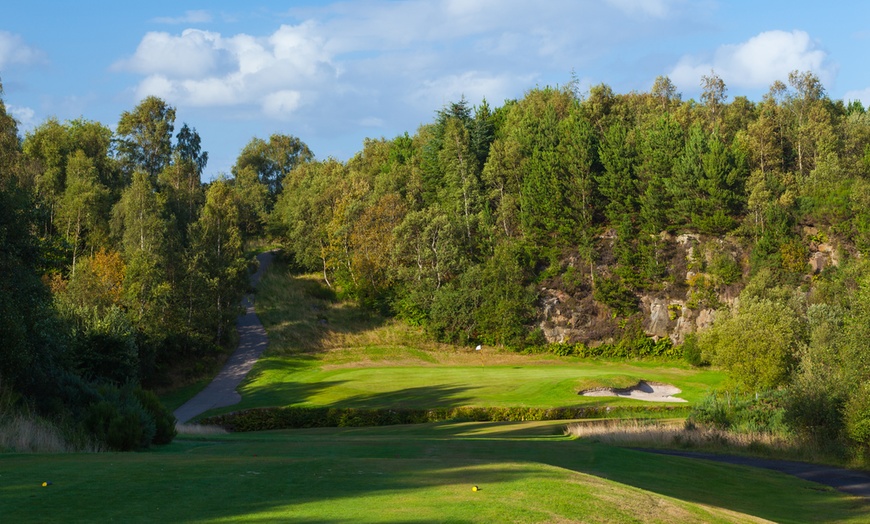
x=423 y=473
x=523 y=472
x=323 y=352
x=283 y=381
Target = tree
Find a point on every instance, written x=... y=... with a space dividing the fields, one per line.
x=33 y=341
x=713 y=96
x=502 y=176
x=84 y=202
x=139 y=222
x=145 y=136
x=757 y=343
x=461 y=193
x=373 y=243
x=306 y=209
x=272 y=161
x=216 y=264
x=665 y=92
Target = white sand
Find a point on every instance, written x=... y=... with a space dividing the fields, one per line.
x=649 y=391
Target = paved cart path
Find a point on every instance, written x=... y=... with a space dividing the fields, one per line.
x=252 y=342
x=849 y=481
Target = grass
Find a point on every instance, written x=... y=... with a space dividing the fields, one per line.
x=29 y=433
x=333 y=354
x=526 y=472
x=325 y=352
x=674 y=434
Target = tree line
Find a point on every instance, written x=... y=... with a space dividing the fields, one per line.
x=121 y=271
x=120 y=266
x=458 y=227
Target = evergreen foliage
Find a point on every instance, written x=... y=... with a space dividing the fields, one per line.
x=120 y=267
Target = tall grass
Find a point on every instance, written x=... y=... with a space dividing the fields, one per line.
x=28 y=433
x=676 y=434
x=23 y=431
x=199 y=430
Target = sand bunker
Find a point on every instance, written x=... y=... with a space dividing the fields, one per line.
x=649 y=391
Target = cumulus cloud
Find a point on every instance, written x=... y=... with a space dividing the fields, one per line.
x=202 y=68
x=758 y=62
x=192 y=54
x=347 y=61
x=281 y=104
x=13 y=50
x=189 y=17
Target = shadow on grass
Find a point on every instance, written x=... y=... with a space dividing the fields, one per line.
x=423 y=397
x=340 y=466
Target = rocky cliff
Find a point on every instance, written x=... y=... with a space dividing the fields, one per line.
x=705 y=275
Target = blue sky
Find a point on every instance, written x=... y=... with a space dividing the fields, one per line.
x=336 y=72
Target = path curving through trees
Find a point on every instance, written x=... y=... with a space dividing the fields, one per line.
x=253 y=341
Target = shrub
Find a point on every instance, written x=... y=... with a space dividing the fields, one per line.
x=164 y=420
x=295 y=417
x=857 y=415
x=616 y=295
x=762 y=413
x=119 y=420
x=725 y=269
x=692 y=351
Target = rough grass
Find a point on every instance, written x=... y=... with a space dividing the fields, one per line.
x=526 y=472
x=674 y=434
x=27 y=433
x=199 y=430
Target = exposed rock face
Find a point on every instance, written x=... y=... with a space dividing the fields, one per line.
x=674 y=311
x=566 y=319
x=704 y=275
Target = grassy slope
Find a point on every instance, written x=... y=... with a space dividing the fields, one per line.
x=420 y=473
x=527 y=472
x=327 y=353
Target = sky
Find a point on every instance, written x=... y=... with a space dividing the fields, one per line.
x=334 y=73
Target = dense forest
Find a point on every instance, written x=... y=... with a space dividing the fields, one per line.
x=121 y=270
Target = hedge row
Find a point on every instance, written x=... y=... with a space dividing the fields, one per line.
x=263 y=419
x=637 y=348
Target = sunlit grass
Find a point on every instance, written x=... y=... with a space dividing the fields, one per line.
x=526 y=472
x=326 y=352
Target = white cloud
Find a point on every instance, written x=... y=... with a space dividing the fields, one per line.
x=281 y=104
x=385 y=64
x=473 y=85
x=205 y=69
x=189 y=17
x=13 y=50
x=193 y=54
x=25 y=116
x=758 y=62
x=862 y=95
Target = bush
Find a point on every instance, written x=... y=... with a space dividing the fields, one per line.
x=164 y=420
x=120 y=421
x=764 y=413
x=692 y=351
x=857 y=416
x=295 y=417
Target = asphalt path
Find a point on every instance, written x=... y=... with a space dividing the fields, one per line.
x=849 y=481
x=221 y=391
